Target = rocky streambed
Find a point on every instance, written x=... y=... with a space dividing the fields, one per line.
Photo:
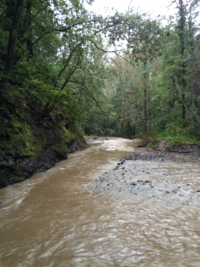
x=153 y=175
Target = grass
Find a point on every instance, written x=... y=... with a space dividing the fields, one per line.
x=179 y=141
x=151 y=145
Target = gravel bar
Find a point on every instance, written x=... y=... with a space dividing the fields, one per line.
x=153 y=175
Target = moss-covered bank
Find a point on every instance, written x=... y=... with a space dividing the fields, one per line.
x=29 y=147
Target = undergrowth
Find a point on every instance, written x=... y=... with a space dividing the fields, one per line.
x=172 y=141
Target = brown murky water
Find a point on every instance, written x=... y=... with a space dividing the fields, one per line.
x=53 y=220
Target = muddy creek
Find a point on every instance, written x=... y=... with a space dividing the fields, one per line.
x=54 y=220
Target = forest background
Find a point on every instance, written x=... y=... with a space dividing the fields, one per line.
x=66 y=72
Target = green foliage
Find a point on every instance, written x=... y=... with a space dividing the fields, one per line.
x=151 y=145
x=58 y=70
x=18 y=138
x=178 y=141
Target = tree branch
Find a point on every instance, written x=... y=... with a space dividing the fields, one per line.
x=69 y=76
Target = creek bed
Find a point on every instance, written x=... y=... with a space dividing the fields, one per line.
x=53 y=219
x=153 y=175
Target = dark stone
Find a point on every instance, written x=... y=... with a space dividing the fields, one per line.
x=6 y=165
x=61 y=155
x=132 y=183
x=141 y=155
x=168 y=192
x=23 y=168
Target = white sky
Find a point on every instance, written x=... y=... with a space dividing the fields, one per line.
x=154 y=7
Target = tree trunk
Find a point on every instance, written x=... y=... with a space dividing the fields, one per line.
x=29 y=23
x=183 y=67
x=13 y=37
x=145 y=99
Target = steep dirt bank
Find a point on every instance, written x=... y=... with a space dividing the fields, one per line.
x=27 y=148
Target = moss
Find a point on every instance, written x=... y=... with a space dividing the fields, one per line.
x=21 y=139
x=81 y=141
x=17 y=138
x=66 y=137
x=67 y=134
x=29 y=147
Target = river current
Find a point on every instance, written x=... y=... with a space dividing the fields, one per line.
x=53 y=220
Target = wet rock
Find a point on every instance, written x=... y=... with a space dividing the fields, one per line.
x=4 y=165
x=153 y=179
x=141 y=155
x=24 y=167
x=131 y=183
x=61 y=155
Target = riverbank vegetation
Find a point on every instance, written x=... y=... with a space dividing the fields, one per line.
x=65 y=71
x=155 y=93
